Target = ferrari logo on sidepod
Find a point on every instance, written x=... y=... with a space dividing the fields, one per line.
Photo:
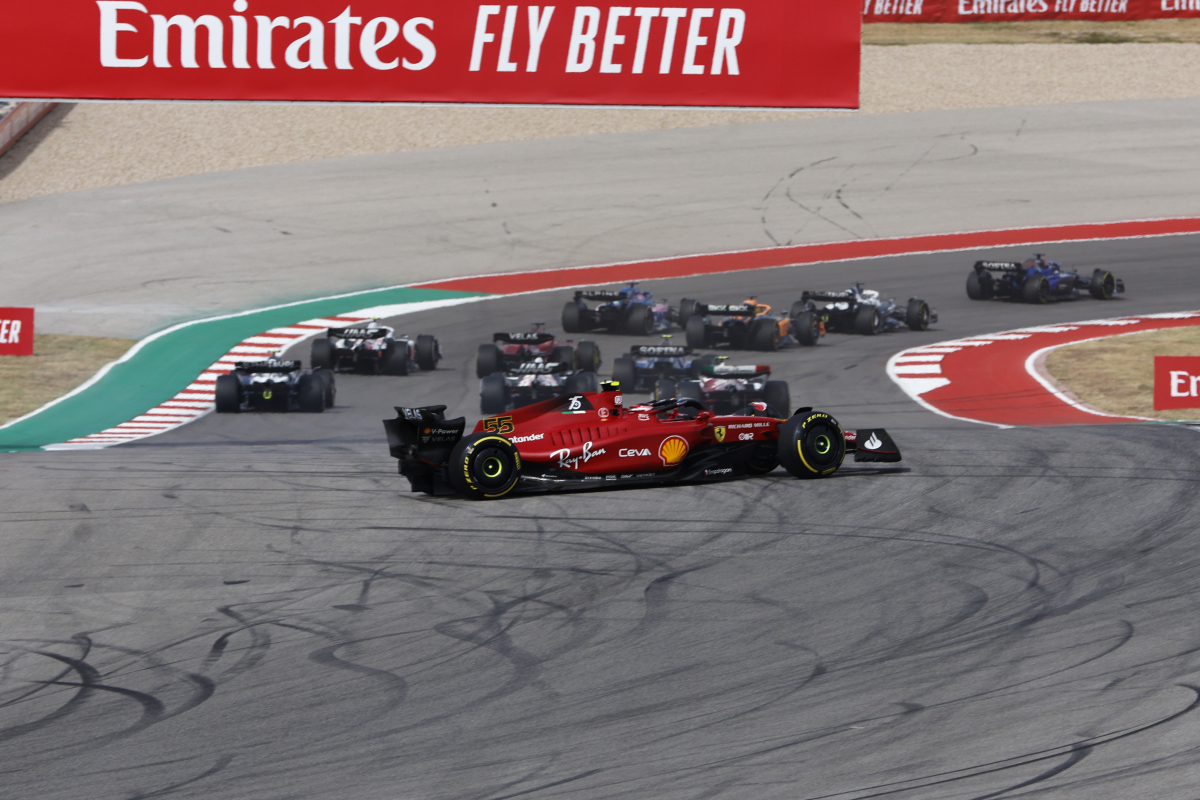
x=672 y=450
x=719 y=432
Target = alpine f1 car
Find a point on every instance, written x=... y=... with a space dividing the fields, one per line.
x=374 y=349
x=1037 y=280
x=274 y=385
x=723 y=388
x=745 y=326
x=863 y=311
x=531 y=382
x=591 y=440
x=629 y=310
x=646 y=365
x=508 y=350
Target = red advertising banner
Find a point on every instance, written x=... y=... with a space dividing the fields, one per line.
x=1025 y=10
x=16 y=331
x=1176 y=382
x=752 y=53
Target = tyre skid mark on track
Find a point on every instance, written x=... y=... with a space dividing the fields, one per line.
x=1070 y=751
x=998 y=379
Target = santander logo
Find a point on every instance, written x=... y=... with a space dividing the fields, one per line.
x=872 y=444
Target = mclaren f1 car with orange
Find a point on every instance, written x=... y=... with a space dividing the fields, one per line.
x=592 y=440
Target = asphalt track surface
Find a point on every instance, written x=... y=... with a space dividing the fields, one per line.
x=253 y=606
x=130 y=260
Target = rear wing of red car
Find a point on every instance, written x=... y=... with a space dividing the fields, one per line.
x=528 y=337
x=421 y=440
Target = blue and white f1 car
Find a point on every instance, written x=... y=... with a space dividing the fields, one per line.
x=630 y=310
x=1037 y=280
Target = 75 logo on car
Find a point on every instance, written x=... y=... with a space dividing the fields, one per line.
x=499 y=425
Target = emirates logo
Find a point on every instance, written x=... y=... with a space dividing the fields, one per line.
x=673 y=450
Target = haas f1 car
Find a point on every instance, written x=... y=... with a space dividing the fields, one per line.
x=723 y=388
x=532 y=382
x=374 y=349
x=863 y=311
x=745 y=326
x=508 y=350
x=591 y=440
x=274 y=385
x=1037 y=280
x=630 y=310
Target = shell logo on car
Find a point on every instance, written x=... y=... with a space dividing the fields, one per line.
x=673 y=450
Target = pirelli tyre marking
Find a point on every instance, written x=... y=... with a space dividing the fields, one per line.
x=485 y=466
x=812 y=445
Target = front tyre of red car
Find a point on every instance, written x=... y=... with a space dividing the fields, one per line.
x=484 y=466
x=811 y=445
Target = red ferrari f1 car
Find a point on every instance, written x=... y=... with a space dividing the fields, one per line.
x=591 y=440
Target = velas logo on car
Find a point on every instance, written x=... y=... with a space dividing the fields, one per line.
x=673 y=450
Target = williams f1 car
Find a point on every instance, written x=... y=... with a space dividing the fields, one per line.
x=859 y=310
x=746 y=326
x=723 y=388
x=590 y=440
x=646 y=365
x=508 y=350
x=374 y=349
x=629 y=310
x=274 y=385
x=532 y=382
x=1037 y=280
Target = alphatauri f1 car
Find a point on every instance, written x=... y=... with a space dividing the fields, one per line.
x=723 y=388
x=859 y=310
x=274 y=385
x=374 y=349
x=1037 y=280
x=591 y=440
x=508 y=350
x=629 y=310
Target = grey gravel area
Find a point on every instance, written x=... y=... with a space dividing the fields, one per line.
x=104 y=144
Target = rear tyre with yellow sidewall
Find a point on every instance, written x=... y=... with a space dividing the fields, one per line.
x=811 y=445
x=484 y=466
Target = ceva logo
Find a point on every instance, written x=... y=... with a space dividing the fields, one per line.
x=1176 y=382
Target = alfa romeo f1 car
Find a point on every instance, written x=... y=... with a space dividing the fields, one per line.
x=274 y=385
x=531 y=382
x=374 y=349
x=591 y=440
x=745 y=326
x=646 y=365
x=629 y=310
x=508 y=350
x=863 y=311
x=1037 y=280
x=723 y=388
